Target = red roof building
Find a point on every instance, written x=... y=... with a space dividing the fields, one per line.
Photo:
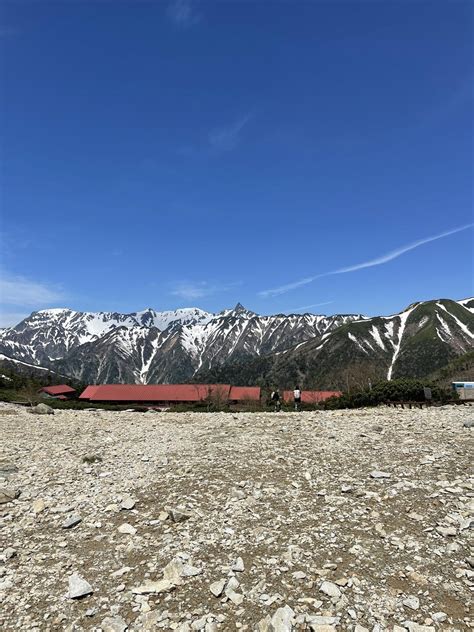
x=88 y=392
x=59 y=391
x=162 y=394
x=311 y=397
x=245 y=393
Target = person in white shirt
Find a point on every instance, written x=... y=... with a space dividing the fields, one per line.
x=297 y=397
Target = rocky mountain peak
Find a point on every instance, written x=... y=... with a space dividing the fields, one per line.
x=240 y=310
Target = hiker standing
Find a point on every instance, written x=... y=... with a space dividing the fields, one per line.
x=275 y=398
x=297 y=397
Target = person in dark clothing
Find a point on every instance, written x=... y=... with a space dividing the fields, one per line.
x=275 y=398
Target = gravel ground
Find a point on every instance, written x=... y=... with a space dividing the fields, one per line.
x=345 y=520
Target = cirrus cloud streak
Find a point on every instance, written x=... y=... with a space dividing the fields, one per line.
x=389 y=256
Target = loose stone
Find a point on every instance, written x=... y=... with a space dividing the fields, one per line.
x=114 y=624
x=330 y=589
x=127 y=529
x=217 y=588
x=78 y=587
x=411 y=602
x=128 y=503
x=71 y=522
x=379 y=474
x=238 y=565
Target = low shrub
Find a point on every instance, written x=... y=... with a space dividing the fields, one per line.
x=404 y=389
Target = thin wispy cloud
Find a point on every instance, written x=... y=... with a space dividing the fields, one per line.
x=191 y=291
x=18 y=290
x=183 y=13
x=300 y=309
x=389 y=256
x=219 y=140
x=226 y=138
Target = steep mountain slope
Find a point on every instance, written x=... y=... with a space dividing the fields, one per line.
x=151 y=346
x=242 y=347
x=52 y=334
x=458 y=370
x=421 y=339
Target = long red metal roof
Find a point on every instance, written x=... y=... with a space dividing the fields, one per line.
x=88 y=392
x=58 y=389
x=155 y=392
x=311 y=397
x=239 y=393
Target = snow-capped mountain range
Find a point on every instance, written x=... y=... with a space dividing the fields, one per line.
x=174 y=346
x=418 y=342
x=150 y=346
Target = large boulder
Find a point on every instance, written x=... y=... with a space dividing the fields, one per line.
x=42 y=409
x=7 y=495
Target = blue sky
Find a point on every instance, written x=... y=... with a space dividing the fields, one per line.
x=180 y=153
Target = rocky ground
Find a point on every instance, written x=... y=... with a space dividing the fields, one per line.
x=344 y=520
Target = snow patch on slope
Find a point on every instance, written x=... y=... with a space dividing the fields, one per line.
x=354 y=339
x=377 y=337
x=445 y=328
x=403 y=321
x=460 y=323
x=464 y=303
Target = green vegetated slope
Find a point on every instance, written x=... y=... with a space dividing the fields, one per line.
x=458 y=370
x=424 y=338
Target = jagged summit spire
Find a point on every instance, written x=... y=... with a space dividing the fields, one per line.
x=241 y=310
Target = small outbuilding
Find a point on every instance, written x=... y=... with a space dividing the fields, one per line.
x=58 y=391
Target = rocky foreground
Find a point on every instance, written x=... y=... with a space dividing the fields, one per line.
x=345 y=520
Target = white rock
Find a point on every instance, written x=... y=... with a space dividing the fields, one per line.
x=113 y=624
x=127 y=529
x=199 y=624
x=7 y=554
x=178 y=515
x=411 y=602
x=71 y=522
x=235 y=597
x=411 y=626
x=330 y=589
x=78 y=587
x=238 y=565
x=121 y=571
x=233 y=583
x=157 y=587
x=265 y=625
x=217 y=588
x=191 y=571
x=127 y=503
x=173 y=571
x=439 y=617
x=321 y=620
x=38 y=506
x=379 y=474
x=447 y=531
x=282 y=620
